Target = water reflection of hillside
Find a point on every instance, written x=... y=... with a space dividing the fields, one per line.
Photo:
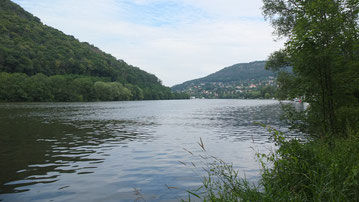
x=34 y=150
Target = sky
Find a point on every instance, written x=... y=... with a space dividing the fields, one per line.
x=177 y=40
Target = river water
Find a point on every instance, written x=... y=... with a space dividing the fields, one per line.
x=125 y=151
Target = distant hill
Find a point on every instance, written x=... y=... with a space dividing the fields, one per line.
x=243 y=80
x=237 y=72
x=30 y=47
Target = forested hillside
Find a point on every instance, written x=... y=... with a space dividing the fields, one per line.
x=244 y=80
x=30 y=47
x=237 y=72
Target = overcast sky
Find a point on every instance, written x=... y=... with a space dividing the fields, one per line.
x=177 y=40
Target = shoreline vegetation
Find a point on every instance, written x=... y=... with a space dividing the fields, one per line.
x=19 y=87
x=321 y=46
x=314 y=170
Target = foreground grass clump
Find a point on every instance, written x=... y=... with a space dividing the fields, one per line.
x=317 y=170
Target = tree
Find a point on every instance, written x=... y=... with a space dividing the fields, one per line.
x=63 y=89
x=323 y=48
x=37 y=88
x=85 y=87
x=136 y=92
x=103 y=91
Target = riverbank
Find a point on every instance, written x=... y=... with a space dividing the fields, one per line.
x=316 y=170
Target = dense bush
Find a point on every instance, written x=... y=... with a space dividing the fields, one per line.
x=18 y=87
x=317 y=170
x=320 y=170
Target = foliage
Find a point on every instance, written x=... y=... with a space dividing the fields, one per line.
x=19 y=87
x=297 y=120
x=241 y=71
x=316 y=170
x=322 y=46
x=32 y=48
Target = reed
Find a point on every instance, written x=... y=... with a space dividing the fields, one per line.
x=315 y=170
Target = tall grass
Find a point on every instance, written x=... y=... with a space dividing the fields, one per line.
x=316 y=170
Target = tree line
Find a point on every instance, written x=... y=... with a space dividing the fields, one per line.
x=19 y=87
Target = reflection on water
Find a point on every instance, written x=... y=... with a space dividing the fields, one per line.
x=103 y=151
x=43 y=151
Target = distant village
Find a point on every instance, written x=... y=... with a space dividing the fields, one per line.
x=253 y=88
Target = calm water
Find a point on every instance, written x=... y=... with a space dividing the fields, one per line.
x=106 y=151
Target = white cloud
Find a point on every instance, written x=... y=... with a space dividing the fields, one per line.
x=175 y=40
x=230 y=8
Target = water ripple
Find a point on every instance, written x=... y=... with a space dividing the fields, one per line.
x=106 y=150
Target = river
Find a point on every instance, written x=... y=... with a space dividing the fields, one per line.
x=125 y=151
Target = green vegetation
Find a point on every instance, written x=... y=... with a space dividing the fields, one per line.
x=238 y=72
x=322 y=47
x=29 y=47
x=244 y=80
x=317 y=170
x=19 y=87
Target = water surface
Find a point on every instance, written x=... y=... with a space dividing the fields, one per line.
x=123 y=151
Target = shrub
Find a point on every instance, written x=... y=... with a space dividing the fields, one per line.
x=315 y=170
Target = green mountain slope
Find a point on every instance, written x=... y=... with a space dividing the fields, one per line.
x=244 y=80
x=239 y=72
x=30 y=47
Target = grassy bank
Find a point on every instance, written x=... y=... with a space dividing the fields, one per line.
x=317 y=170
